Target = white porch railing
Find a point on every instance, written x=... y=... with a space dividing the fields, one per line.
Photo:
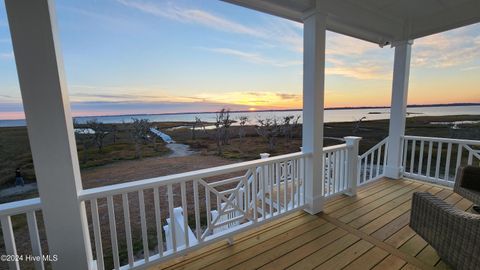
x=437 y=159
x=335 y=168
x=371 y=164
x=270 y=188
x=29 y=209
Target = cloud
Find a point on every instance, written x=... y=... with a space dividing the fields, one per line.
x=254 y=57
x=7 y=56
x=189 y=15
x=449 y=49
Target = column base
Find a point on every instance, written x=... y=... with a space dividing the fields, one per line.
x=314 y=205
x=393 y=172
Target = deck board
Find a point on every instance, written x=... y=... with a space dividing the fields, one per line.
x=367 y=231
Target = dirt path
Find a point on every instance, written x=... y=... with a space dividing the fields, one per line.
x=13 y=191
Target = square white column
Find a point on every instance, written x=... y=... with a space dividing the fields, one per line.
x=50 y=129
x=398 y=109
x=313 y=105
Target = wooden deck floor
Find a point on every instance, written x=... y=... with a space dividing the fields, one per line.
x=369 y=231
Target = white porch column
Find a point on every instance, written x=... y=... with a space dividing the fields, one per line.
x=50 y=129
x=398 y=110
x=313 y=104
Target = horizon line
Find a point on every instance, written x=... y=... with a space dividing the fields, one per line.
x=276 y=110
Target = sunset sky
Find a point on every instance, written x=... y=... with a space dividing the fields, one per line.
x=128 y=56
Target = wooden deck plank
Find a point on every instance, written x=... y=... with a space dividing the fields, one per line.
x=390 y=263
x=237 y=238
x=366 y=204
x=274 y=247
x=343 y=258
x=322 y=255
x=305 y=250
x=374 y=204
x=257 y=260
x=384 y=214
x=428 y=255
x=368 y=259
x=227 y=250
x=345 y=201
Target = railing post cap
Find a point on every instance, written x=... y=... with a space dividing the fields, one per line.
x=352 y=138
x=264 y=155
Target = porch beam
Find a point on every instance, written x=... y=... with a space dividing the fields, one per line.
x=313 y=105
x=398 y=109
x=50 y=129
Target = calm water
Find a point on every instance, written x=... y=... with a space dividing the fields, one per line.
x=343 y=115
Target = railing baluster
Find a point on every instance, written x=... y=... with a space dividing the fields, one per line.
x=285 y=186
x=173 y=232
x=429 y=159
x=459 y=158
x=420 y=158
x=254 y=194
x=9 y=239
x=277 y=176
x=447 y=162
x=372 y=157
x=113 y=232
x=385 y=152
x=292 y=190
x=143 y=222
x=35 y=239
x=271 y=181
x=405 y=153
x=185 y=213
x=197 y=210
x=379 y=157
x=412 y=156
x=262 y=182
x=470 y=158
x=365 y=169
x=97 y=234
x=439 y=156
x=128 y=229
x=158 y=220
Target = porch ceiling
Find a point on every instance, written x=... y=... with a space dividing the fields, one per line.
x=377 y=21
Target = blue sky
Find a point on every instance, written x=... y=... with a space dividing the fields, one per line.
x=129 y=56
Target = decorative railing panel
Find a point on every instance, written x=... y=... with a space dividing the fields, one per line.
x=335 y=168
x=437 y=159
x=138 y=223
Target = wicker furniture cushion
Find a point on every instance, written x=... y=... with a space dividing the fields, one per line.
x=471 y=178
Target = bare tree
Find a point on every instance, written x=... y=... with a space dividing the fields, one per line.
x=114 y=131
x=356 y=127
x=222 y=125
x=100 y=132
x=85 y=137
x=242 y=121
x=139 y=129
x=269 y=129
x=198 y=123
x=289 y=125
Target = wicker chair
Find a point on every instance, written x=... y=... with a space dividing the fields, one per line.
x=467 y=184
x=453 y=233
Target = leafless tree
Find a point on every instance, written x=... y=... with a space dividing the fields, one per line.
x=242 y=121
x=85 y=138
x=114 y=131
x=101 y=131
x=198 y=123
x=269 y=129
x=356 y=127
x=289 y=126
x=139 y=129
x=222 y=125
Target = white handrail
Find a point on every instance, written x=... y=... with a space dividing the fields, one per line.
x=444 y=140
x=20 y=207
x=116 y=189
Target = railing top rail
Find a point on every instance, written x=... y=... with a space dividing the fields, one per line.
x=20 y=207
x=104 y=191
x=334 y=147
x=374 y=148
x=443 y=140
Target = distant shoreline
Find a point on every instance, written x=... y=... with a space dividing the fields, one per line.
x=273 y=110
